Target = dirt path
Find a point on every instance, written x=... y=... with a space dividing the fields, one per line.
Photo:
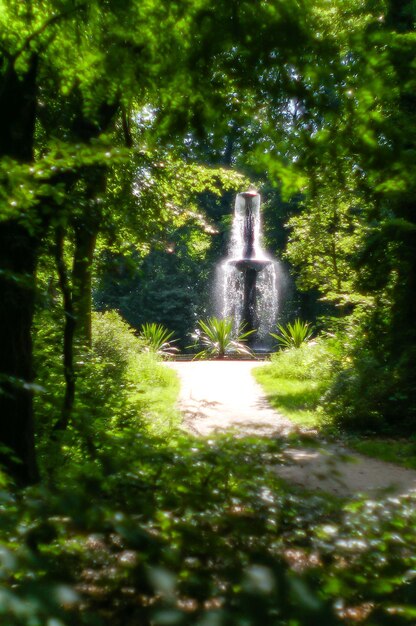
x=217 y=396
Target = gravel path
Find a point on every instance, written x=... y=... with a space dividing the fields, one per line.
x=218 y=396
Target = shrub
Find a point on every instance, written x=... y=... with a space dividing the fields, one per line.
x=366 y=396
x=317 y=360
x=218 y=339
x=293 y=335
x=113 y=340
x=158 y=339
x=133 y=380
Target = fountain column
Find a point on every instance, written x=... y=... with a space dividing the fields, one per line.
x=248 y=275
x=250 y=317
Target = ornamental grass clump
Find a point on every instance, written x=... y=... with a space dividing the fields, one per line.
x=293 y=335
x=217 y=338
x=158 y=339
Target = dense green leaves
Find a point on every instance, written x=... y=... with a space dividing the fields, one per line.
x=218 y=338
x=111 y=112
x=294 y=334
x=158 y=339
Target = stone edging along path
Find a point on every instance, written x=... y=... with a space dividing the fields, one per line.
x=217 y=396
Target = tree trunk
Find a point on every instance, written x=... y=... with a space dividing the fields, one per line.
x=86 y=234
x=69 y=332
x=18 y=256
x=86 y=231
x=18 y=251
x=85 y=240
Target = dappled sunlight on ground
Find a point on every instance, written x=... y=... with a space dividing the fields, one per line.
x=219 y=396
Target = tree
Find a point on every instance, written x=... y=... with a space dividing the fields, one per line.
x=55 y=47
x=354 y=141
x=106 y=54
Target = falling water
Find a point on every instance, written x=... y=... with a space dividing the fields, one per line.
x=248 y=275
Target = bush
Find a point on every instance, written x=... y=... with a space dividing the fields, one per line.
x=118 y=387
x=371 y=395
x=315 y=360
x=114 y=341
x=293 y=335
x=124 y=370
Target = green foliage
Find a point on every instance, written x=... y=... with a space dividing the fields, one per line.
x=368 y=532
x=195 y=531
x=353 y=241
x=156 y=288
x=171 y=271
x=398 y=451
x=114 y=341
x=315 y=360
x=142 y=391
x=155 y=528
x=127 y=528
x=140 y=528
x=118 y=385
x=323 y=241
x=373 y=387
x=372 y=395
x=294 y=334
x=218 y=338
x=296 y=379
x=156 y=338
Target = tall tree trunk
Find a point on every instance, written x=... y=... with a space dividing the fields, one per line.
x=17 y=288
x=69 y=332
x=18 y=255
x=86 y=234
x=85 y=240
x=86 y=231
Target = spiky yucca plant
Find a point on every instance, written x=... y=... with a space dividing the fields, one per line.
x=293 y=335
x=158 y=339
x=217 y=338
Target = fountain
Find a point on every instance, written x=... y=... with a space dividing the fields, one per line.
x=248 y=275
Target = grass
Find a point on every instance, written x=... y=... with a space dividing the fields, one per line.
x=155 y=389
x=296 y=399
x=399 y=451
x=296 y=379
x=295 y=382
x=147 y=387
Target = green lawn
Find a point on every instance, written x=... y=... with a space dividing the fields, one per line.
x=399 y=451
x=297 y=398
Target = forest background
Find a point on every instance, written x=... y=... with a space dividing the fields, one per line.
x=127 y=128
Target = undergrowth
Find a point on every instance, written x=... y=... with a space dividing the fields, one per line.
x=296 y=380
x=129 y=527
x=301 y=383
x=149 y=389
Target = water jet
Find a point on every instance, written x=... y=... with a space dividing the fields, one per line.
x=248 y=275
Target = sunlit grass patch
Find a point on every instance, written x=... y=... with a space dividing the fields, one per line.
x=147 y=388
x=296 y=399
x=397 y=451
x=295 y=382
x=155 y=389
x=296 y=379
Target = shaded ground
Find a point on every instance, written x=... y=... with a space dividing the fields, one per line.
x=217 y=396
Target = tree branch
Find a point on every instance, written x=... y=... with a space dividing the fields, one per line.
x=52 y=20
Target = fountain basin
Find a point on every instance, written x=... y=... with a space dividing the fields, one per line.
x=250 y=264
